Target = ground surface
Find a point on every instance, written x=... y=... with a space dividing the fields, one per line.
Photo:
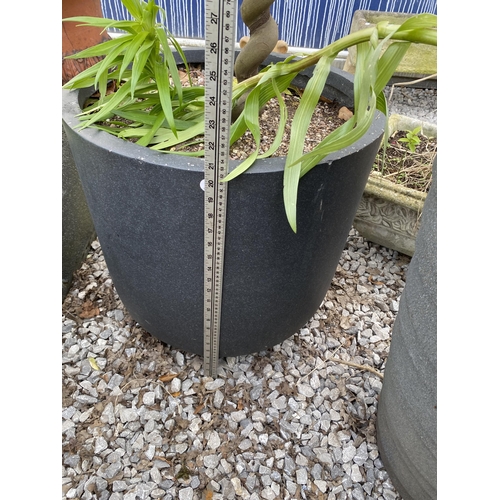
x=140 y=419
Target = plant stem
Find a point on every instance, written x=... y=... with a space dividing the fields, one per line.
x=426 y=36
x=256 y=14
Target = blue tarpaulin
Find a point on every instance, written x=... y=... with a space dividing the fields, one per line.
x=302 y=23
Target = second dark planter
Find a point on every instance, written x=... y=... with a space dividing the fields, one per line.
x=407 y=410
x=147 y=209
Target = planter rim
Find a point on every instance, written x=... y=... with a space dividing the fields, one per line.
x=71 y=108
x=397 y=122
x=390 y=191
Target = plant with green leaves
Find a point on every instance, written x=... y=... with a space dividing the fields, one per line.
x=411 y=139
x=147 y=49
x=156 y=110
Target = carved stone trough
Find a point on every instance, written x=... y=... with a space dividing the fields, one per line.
x=389 y=214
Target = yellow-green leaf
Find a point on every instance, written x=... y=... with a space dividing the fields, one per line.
x=162 y=81
x=169 y=60
x=84 y=79
x=134 y=7
x=131 y=51
x=110 y=105
x=140 y=60
x=182 y=136
x=146 y=139
x=282 y=123
x=102 y=49
x=93 y=363
x=300 y=124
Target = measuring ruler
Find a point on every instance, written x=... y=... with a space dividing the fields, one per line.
x=220 y=16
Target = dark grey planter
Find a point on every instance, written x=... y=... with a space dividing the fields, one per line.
x=407 y=411
x=147 y=209
x=77 y=227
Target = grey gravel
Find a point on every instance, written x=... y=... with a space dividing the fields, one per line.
x=289 y=422
x=413 y=102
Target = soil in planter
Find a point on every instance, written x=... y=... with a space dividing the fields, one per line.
x=402 y=166
x=325 y=119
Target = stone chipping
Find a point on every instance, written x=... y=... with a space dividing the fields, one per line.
x=140 y=420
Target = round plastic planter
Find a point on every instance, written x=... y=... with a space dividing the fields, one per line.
x=407 y=411
x=147 y=209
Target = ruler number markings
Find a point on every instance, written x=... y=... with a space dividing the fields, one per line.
x=219 y=46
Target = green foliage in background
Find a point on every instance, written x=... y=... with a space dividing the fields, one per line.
x=411 y=139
